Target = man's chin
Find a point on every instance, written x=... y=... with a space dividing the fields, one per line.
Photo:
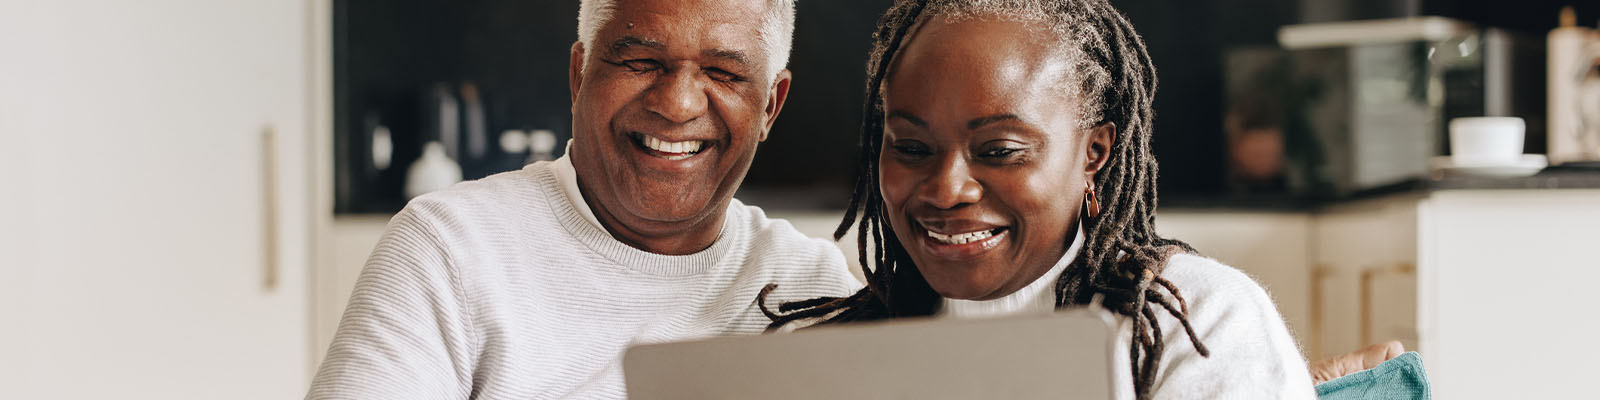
x=677 y=216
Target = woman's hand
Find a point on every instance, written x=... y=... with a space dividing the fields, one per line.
x=1356 y=361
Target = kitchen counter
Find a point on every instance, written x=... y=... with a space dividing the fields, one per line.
x=1555 y=178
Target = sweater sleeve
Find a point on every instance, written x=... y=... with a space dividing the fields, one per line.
x=405 y=332
x=1252 y=355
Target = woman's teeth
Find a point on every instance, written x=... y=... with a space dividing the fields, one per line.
x=674 y=150
x=962 y=238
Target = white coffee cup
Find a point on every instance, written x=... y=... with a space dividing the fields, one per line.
x=1486 y=140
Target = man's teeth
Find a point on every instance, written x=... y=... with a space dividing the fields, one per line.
x=962 y=238
x=687 y=147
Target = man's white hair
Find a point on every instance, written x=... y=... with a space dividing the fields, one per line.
x=777 y=29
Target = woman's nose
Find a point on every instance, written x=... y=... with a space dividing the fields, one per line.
x=951 y=185
x=677 y=96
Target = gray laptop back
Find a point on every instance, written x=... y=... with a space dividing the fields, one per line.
x=1066 y=355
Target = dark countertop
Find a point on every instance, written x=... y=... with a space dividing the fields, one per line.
x=1554 y=178
x=1550 y=178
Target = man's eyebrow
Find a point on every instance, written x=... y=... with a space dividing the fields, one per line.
x=627 y=41
x=908 y=117
x=979 y=122
x=731 y=55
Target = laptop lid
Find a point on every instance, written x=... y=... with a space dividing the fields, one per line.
x=1062 y=355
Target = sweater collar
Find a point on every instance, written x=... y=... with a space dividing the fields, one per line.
x=567 y=176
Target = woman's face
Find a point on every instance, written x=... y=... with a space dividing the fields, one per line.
x=984 y=164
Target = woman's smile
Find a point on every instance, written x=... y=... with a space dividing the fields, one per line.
x=960 y=240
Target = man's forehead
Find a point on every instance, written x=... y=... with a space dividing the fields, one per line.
x=731 y=9
x=685 y=32
x=665 y=24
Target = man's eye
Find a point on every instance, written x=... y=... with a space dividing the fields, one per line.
x=637 y=65
x=720 y=75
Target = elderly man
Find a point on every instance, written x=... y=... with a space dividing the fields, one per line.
x=531 y=283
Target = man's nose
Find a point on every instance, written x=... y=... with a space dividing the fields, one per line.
x=951 y=185
x=677 y=96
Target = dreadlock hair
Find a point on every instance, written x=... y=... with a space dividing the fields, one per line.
x=1122 y=259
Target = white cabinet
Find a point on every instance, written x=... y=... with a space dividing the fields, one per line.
x=1488 y=285
x=1363 y=267
x=1505 y=290
x=157 y=189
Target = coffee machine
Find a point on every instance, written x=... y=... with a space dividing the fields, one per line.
x=1574 y=93
x=1368 y=102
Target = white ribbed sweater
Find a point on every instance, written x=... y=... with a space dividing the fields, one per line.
x=501 y=288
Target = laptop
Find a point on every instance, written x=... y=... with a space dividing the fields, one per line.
x=1065 y=355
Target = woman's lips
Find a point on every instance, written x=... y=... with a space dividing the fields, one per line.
x=962 y=245
x=963 y=238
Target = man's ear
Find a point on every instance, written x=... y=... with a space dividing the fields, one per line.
x=775 y=99
x=1101 y=138
x=575 y=73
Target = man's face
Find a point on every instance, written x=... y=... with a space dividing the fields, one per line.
x=667 y=114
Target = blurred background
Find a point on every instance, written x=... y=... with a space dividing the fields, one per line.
x=193 y=186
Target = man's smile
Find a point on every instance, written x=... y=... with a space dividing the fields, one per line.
x=673 y=151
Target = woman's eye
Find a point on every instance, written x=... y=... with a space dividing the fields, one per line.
x=1000 y=152
x=910 y=150
x=720 y=75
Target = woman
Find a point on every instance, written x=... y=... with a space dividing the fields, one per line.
x=1006 y=168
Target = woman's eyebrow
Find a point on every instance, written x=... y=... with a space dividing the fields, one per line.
x=901 y=114
x=979 y=122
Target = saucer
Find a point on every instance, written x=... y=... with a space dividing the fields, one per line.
x=1526 y=165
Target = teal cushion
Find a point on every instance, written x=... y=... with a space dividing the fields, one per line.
x=1398 y=378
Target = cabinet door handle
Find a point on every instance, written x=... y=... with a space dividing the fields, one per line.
x=1367 y=276
x=1319 y=276
x=269 y=166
